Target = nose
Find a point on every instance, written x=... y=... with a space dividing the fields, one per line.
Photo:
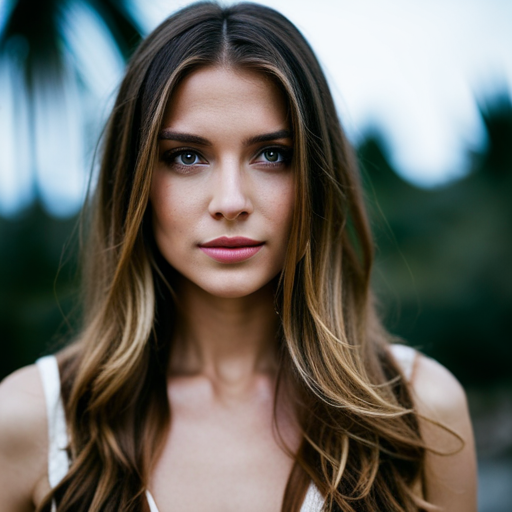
x=230 y=195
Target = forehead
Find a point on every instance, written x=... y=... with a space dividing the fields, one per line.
x=217 y=95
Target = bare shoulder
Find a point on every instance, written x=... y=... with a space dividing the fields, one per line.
x=440 y=400
x=22 y=407
x=23 y=438
x=437 y=393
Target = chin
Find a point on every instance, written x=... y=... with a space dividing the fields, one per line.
x=232 y=288
x=230 y=293
x=225 y=284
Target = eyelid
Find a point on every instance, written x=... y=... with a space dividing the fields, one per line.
x=286 y=152
x=170 y=154
x=183 y=149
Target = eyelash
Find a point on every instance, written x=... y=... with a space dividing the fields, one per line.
x=285 y=152
x=169 y=157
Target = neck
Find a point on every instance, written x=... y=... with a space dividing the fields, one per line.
x=228 y=340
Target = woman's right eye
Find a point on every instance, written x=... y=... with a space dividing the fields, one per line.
x=181 y=158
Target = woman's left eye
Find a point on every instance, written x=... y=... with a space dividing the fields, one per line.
x=274 y=156
x=187 y=158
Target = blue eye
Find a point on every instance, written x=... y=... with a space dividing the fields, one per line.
x=272 y=155
x=275 y=155
x=181 y=158
x=187 y=158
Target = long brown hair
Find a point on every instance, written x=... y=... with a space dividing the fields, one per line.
x=361 y=442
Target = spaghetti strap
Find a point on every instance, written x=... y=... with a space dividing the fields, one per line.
x=314 y=501
x=58 y=460
x=405 y=357
x=151 y=502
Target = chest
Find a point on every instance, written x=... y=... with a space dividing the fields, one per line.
x=224 y=456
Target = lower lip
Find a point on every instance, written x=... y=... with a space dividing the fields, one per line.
x=231 y=254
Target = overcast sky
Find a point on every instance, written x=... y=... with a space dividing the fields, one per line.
x=413 y=70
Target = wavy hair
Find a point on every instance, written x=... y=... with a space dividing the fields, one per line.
x=361 y=441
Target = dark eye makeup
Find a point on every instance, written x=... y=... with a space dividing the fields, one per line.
x=187 y=158
x=278 y=155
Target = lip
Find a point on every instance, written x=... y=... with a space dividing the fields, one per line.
x=231 y=250
x=235 y=241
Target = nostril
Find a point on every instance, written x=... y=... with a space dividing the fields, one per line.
x=231 y=216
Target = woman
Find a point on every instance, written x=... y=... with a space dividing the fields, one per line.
x=230 y=356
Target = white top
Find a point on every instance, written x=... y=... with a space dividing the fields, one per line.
x=58 y=460
x=405 y=357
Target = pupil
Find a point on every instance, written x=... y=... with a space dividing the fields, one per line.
x=188 y=158
x=271 y=155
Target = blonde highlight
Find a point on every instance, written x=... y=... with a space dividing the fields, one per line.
x=361 y=441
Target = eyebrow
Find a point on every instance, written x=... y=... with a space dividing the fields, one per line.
x=267 y=137
x=183 y=137
x=196 y=139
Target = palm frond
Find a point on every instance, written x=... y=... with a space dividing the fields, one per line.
x=31 y=39
x=124 y=29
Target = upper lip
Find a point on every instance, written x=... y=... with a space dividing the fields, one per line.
x=235 y=241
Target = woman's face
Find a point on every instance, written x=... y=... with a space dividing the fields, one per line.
x=222 y=192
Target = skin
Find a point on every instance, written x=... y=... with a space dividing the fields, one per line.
x=451 y=480
x=222 y=372
x=221 y=451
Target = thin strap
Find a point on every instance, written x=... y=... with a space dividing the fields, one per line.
x=151 y=502
x=58 y=460
x=405 y=356
x=314 y=501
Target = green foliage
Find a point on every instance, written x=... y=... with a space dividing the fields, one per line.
x=444 y=273
x=33 y=36
x=33 y=44
x=38 y=285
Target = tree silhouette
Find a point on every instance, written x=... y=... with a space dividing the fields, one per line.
x=34 y=46
x=36 y=51
x=38 y=25
x=497 y=116
x=443 y=270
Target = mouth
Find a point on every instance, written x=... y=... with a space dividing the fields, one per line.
x=231 y=250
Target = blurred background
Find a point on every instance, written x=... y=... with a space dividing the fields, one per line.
x=424 y=91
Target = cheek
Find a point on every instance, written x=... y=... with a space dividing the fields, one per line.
x=279 y=202
x=172 y=212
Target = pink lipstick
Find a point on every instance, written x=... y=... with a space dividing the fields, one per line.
x=231 y=250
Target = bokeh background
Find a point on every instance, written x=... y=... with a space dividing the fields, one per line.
x=424 y=91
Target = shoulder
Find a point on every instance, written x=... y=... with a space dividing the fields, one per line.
x=450 y=466
x=23 y=436
x=22 y=408
x=437 y=394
